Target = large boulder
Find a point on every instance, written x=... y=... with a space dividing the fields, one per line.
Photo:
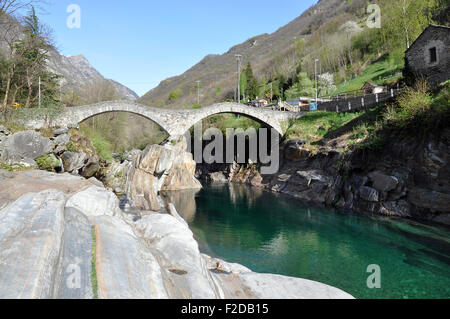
x=91 y=167
x=382 y=182
x=24 y=147
x=73 y=162
x=60 y=143
x=160 y=168
x=369 y=194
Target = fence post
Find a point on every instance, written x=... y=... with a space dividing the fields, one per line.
x=337 y=108
x=363 y=104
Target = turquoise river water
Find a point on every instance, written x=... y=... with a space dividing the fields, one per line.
x=273 y=233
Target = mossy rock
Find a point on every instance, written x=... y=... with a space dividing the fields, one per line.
x=49 y=162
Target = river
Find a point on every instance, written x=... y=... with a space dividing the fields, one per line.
x=274 y=233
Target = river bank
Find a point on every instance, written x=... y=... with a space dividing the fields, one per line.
x=408 y=177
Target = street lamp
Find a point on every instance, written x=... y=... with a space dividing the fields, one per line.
x=238 y=59
x=315 y=77
x=198 y=91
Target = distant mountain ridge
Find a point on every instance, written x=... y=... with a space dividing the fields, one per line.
x=217 y=73
x=76 y=70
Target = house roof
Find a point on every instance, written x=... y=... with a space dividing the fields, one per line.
x=424 y=31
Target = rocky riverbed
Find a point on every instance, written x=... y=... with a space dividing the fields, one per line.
x=62 y=236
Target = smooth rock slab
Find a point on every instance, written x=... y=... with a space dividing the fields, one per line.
x=74 y=280
x=95 y=201
x=31 y=229
x=180 y=256
x=126 y=269
x=264 y=286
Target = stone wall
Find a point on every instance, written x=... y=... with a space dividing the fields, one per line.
x=418 y=61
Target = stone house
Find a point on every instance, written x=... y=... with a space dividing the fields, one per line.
x=429 y=56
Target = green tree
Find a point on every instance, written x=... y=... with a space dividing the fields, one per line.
x=303 y=87
x=252 y=90
x=174 y=95
x=405 y=20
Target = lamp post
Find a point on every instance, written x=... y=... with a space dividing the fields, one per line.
x=238 y=59
x=198 y=91
x=315 y=78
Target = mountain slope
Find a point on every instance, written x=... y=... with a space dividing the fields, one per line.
x=269 y=54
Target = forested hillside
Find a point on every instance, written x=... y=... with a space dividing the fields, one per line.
x=282 y=64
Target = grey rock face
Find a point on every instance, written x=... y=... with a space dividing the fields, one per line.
x=94 y=201
x=160 y=168
x=434 y=201
x=90 y=168
x=382 y=182
x=217 y=177
x=73 y=162
x=61 y=131
x=33 y=224
x=369 y=194
x=182 y=258
x=125 y=266
x=24 y=147
x=74 y=281
x=63 y=139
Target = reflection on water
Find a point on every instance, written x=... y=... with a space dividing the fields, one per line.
x=274 y=233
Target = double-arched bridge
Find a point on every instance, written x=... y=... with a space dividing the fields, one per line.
x=174 y=122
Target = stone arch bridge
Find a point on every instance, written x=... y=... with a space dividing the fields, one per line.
x=174 y=122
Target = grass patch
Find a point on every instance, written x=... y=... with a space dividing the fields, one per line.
x=103 y=148
x=224 y=121
x=316 y=125
x=94 y=281
x=13 y=127
x=380 y=72
x=15 y=168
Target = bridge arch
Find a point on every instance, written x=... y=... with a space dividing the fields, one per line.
x=175 y=122
x=270 y=118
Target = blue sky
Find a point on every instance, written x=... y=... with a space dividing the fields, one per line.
x=142 y=42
